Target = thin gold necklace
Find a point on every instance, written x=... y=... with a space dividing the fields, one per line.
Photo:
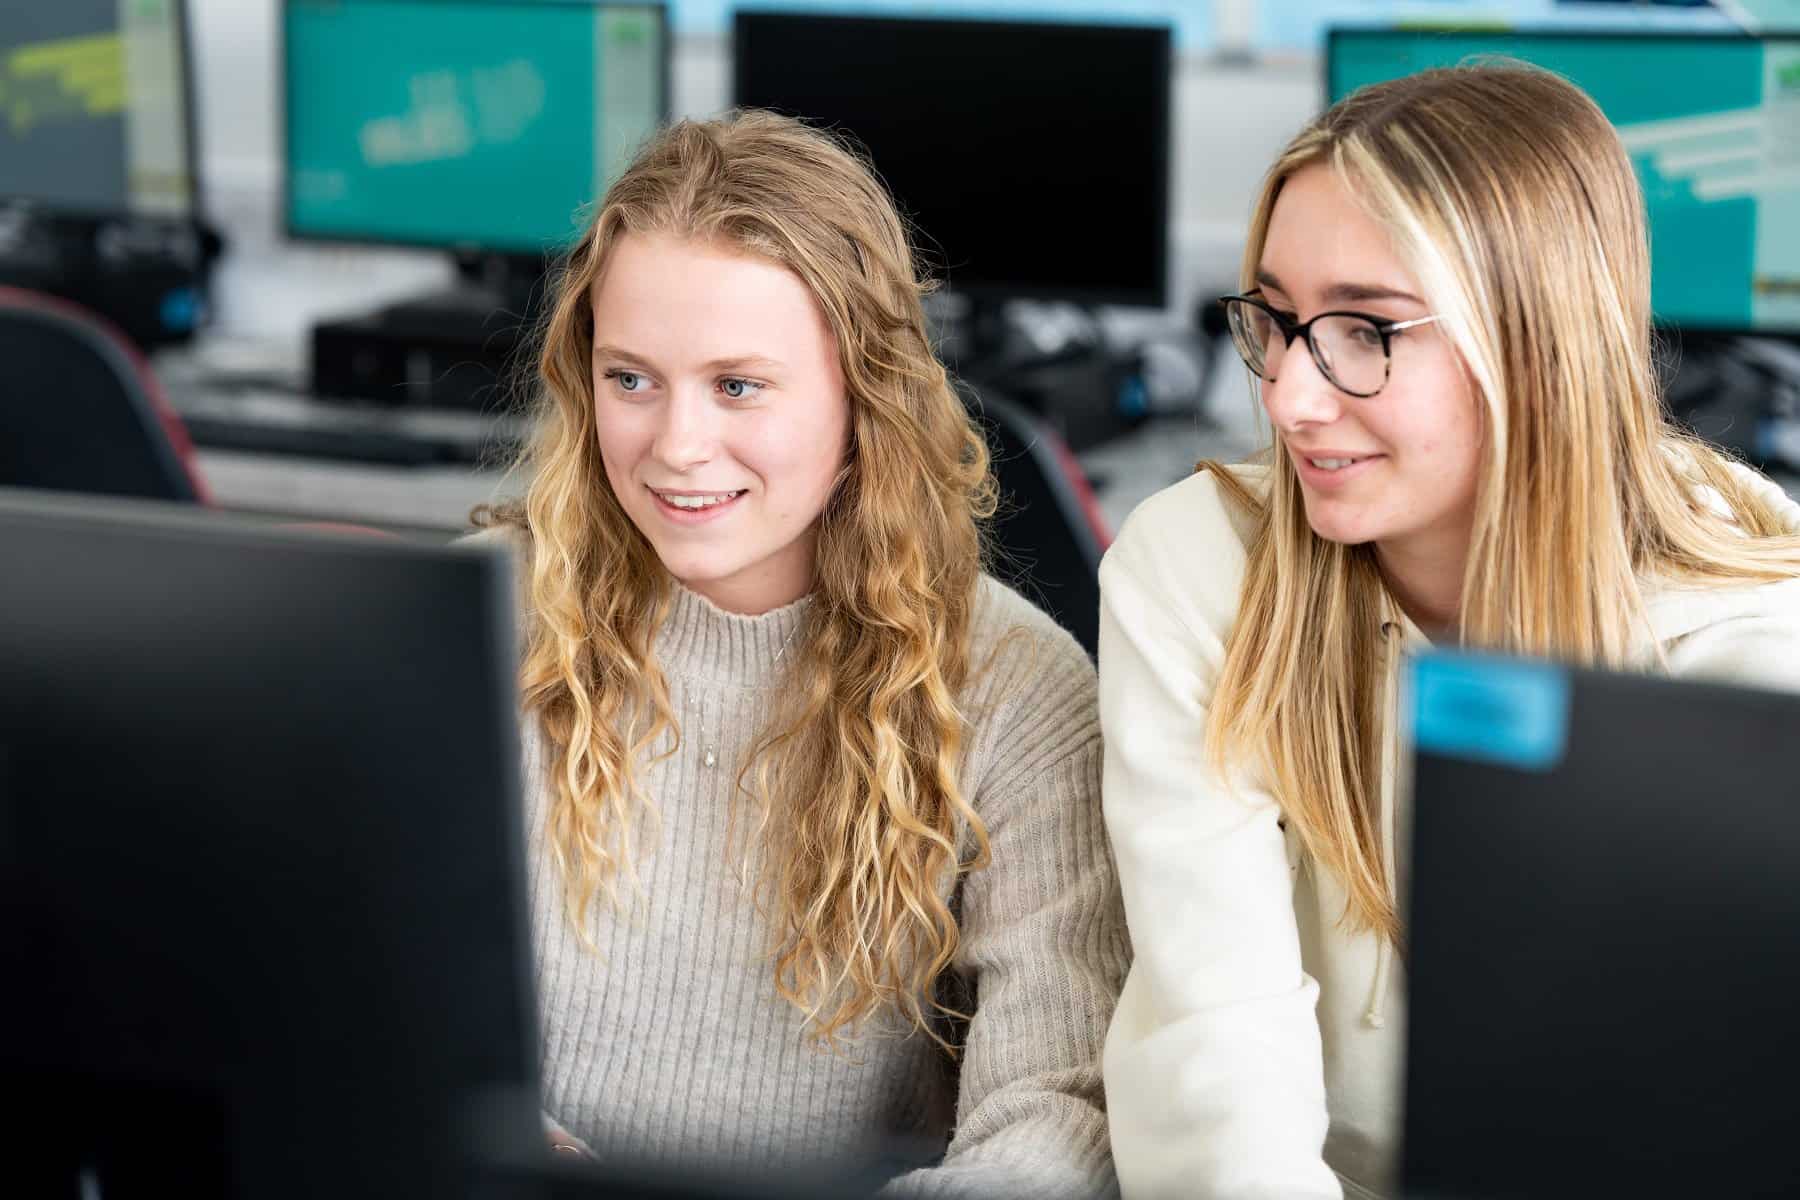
x=709 y=756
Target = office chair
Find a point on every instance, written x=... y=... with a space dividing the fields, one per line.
x=1049 y=534
x=80 y=410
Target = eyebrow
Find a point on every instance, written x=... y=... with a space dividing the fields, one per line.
x=1346 y=293
x=733 y=362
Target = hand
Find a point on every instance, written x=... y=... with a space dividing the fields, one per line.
x=564 y=1144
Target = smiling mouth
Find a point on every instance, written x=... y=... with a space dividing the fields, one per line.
x=1336 y=463
x=696 y=501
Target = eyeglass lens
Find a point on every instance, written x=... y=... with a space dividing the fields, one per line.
x=1349 y=350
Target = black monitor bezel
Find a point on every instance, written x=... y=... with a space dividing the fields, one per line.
x=506 y=1123
x=190 y=132
x=1357 y=30
x=514 y=254
x=1157 y=296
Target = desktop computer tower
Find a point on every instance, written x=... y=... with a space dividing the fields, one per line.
x=466 y=363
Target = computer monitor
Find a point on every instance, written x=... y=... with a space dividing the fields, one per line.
x=261 y=859
x=96 y=113
x=1033 y=159
x=479 y=125
x=1603 y=935
x=1712 y=122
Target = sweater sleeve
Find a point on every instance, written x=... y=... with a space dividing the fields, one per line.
x=1214 y=1069
x=1045 y=948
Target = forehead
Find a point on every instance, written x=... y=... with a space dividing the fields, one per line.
x=1319 y=235
x=680 y=302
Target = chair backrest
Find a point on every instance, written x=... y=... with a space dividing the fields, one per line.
x=80 y=410
x=1049 y=533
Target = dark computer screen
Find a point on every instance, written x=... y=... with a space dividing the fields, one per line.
x=1601 y=926
x=468 y=124
x=1712 y=123
x=95 y=112
x=261 y=861
x=1032 y=158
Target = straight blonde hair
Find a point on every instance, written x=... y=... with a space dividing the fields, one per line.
x=865 y=747
x=1513 y=203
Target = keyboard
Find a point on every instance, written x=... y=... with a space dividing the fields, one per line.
x=270 y=420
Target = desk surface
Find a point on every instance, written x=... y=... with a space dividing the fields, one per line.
x=250 y=391
x=435 y=499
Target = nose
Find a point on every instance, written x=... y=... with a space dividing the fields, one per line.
x=1300 y=395
x=686 y=434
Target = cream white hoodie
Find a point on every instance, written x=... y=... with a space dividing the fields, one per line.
x=1256 y=1050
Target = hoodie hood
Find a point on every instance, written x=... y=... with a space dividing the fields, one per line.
x=1679 y=609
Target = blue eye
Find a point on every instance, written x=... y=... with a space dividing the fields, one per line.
x=626 y=381
x=739 y=389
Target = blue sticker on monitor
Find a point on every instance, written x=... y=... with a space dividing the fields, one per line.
x=1505 y=711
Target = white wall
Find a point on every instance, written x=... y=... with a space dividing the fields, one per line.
x=234 y=49
x=1230 y=120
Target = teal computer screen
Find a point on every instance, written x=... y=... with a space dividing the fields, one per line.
x=1712 y=124
x=480 y=124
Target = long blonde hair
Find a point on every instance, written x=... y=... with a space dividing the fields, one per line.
x=1512 y=201
x=866 y=744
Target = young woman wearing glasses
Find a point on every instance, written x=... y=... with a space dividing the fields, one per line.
x=1446 y=306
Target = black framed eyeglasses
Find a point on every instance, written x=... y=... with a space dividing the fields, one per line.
x=1353 y=350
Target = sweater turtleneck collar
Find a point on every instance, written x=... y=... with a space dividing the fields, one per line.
x=701 y=641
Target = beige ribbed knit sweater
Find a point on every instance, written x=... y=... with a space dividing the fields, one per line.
x=671 y=1043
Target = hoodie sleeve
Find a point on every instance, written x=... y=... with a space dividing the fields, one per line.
x=1213 y=1067
x=1754 y=641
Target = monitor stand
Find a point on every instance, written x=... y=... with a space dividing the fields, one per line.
x=490 y=291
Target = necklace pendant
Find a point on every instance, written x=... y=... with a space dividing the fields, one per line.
x=708 y=758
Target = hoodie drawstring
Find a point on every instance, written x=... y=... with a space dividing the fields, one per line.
x=1376 y=1015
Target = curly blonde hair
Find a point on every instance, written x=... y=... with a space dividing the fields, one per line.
x=866 y=743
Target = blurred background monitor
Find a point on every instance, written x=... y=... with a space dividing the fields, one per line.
x=96 y=107
x=472 y=125
x=1712 y=123
x=1032 y=158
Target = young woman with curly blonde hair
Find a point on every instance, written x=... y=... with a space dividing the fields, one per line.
x=814 y=802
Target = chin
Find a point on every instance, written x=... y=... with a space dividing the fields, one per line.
x=1343 y=538
x=1344 y=528
x=692 y=571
